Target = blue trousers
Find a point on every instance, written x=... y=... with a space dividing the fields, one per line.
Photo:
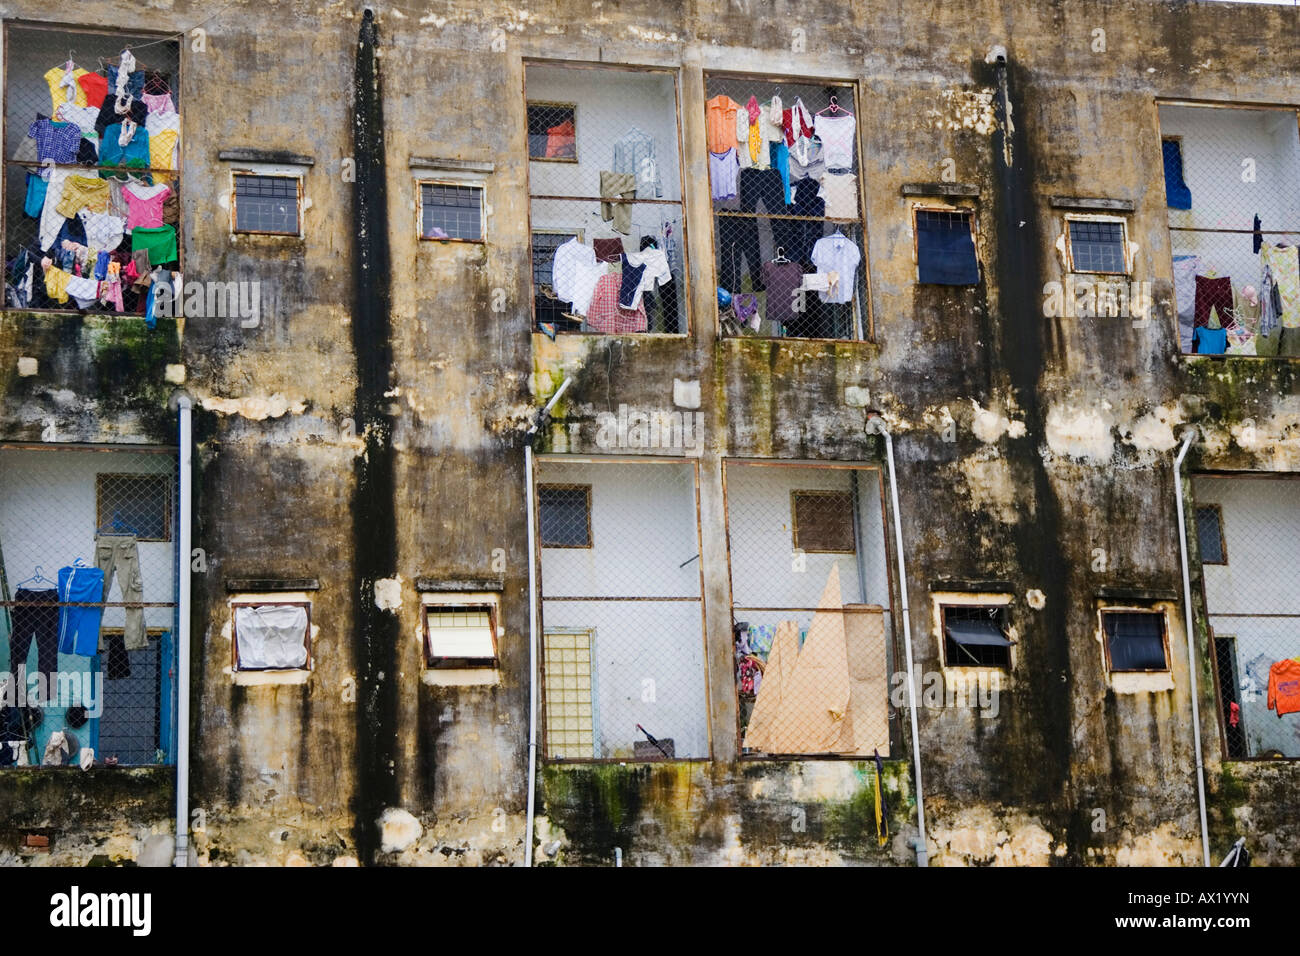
x=79 y=626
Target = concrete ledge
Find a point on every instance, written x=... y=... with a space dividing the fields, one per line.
x=1096 y=205
x=442 y=585
x=247 y=154
x=941 y=189
x=238 y=585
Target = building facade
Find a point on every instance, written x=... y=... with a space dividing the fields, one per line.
x=710 y=426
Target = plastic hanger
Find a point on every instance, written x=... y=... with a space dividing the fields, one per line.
x=780 y=255
x=37 y=578
x=834 y=108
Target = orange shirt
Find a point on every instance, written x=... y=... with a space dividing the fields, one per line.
x=720 y=123
x=1284 y=687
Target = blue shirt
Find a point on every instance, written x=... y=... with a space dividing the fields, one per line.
x=56 y=141
x=134 y=153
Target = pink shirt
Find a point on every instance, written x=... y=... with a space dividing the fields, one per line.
x=158 y=102
x=145 y=204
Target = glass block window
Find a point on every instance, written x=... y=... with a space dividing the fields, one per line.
x=570 y=708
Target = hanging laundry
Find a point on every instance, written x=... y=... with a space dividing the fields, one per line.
x=1284 y=687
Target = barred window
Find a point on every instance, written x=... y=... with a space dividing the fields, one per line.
x=787 y=214
x=1135 y=640
x=975 y=636
x=134 y=504
x=1231 y=178
x=267 y=204
x=565 y=515
x=945 y=247
x=83 y=188
x=604 y=172
x=1097 y=245
x=449 y=211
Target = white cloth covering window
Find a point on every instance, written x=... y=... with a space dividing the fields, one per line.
x=271 y=636
x=837 y=253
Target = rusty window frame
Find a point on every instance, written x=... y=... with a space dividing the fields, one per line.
x=235 y=175
x=166 y=480
x=798 y=493
x=458 y=184
x=437 y=662
x=943 y=639
x=1106 y=610
x=548 y=104
x=586 y=489
x=308 y=665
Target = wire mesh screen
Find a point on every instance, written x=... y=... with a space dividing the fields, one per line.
x=606 y=204
x=92 y=181
x=787 y=215
x=810 y=590
x=623 y=672
x=88 y=580
x=1232 y=184
x=1248 y=538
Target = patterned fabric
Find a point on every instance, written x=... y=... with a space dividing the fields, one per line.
x=56 y=141
x=605 y=315
x=1285 y=267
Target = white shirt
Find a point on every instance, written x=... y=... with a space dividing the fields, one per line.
x=837 y=253
x=836 y=134
x=103 y=229
x=574 y=273
x=656 y=272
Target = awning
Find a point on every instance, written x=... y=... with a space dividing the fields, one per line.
x=986 y=633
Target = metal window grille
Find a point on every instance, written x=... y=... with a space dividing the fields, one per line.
x=70 y=179
x=624 y=673
x=604 y=170
x=811 y=628
x=787 y=211
x=957 y=653
x=1235 y=286
x=267 y=204
x=88 y=586
x=1209 y=535
x=565 y=515
x=451 y=212
x=1097 y=246
x=1253 y=611
x=1135 y=640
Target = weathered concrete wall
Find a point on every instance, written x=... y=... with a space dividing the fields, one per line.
x=1065 y=427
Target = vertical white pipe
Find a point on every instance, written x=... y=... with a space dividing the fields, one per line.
x=921 y=846
x=1189 y=627
x=183 y=638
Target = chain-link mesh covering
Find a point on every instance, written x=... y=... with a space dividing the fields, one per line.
x=605 y=182
x=783 y=173
x=1247 y=532
x=1232 y=184
x=809 y=584
x=88 y=579
x=91 y=177
x=623 y=672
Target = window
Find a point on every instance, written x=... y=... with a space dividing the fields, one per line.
x=786 y=216
x=823 y=521
x=1209 y=534
x=1231 y=176
x=945 y=247
x=69 y=177
x=570 y=695
x=1135 y=640
x=604 y=172
x=449 y=211
x=460 y=635
x=975 y=636
x=267 y=205
x=565 y=515
x=269 y=636
x=552 y=131
x=134 y=504
x=1096 y=244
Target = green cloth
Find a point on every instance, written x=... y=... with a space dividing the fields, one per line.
x=159 y=240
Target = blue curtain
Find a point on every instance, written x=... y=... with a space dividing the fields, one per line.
x=945 y=251
x=1177 y=195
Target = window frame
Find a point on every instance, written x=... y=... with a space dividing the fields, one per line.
x=308 y=666
x=572 y=108
x=969 y=213
x=795 y=494
x=1106 y=609
x=420 y=183
x=944 y=607
x=1223 y=538
x=564 y=487
x=161 y=477
x=236 y=173
x=1126 y=249
x=435 y=662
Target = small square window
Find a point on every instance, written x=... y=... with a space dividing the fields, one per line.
x=134 y=504
x=1097 y=245
x=975 y=636
x=565 y=515
x=1209 y=533
x=552 y=131
x=267 y=204
x=450 y=211
x=460 y=635
x=272 y=637
x=823 y=521
x=945 y=247
x=1135 y=640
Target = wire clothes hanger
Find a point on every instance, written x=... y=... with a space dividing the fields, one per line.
x=37 y=578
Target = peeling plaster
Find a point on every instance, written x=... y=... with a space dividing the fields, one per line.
x=257 y=408
x=1081 y=433
x=990 y=424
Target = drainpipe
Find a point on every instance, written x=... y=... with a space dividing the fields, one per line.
x=876 y=425
x=1188 y=625
x=183 y=637
x=530 y=492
